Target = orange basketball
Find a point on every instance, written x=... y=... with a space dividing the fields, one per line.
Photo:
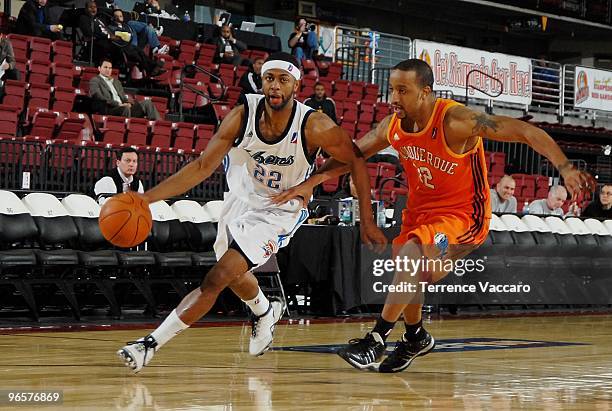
x=125 y=220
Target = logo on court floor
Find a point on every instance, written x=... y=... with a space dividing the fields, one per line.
x=450 y=345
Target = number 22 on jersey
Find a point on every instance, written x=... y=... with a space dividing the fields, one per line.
x=271 y=179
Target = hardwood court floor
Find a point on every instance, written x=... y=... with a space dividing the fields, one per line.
x=208 y=368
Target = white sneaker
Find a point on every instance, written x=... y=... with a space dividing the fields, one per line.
x=137 y=354
x=163 y=49
x=159 y=31
x=263 y=328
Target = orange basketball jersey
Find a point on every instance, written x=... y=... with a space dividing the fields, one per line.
x=440 y=181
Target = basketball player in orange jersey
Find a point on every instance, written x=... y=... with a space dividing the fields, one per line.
x=267 y=145
x=440 y=145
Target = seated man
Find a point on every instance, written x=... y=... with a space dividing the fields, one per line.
x=108 y=93
x=7 y=60
x=320 y=102
x=601 y=207
x=502 y=197
x=228 y=48
x=250 y=82
x=107 y=43
x=33 y=20
x=136 y=28
x=122 y=179
x=550 y=205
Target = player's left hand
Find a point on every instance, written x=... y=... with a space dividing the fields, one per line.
x=302 y=191
x=578 y=182
x=373 y=237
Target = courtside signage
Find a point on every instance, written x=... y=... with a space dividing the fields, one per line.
x=593 y=89
x=451 y=65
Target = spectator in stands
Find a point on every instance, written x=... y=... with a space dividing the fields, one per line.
x=228 y=48
x=107 y=42
x=601 y=207
x=148 y=7
x=320 y=102
x=250 y=82
x=304 y=41
x=502 y=197
x=109 y=97
x=33 y=20
x=137 y=28
x=550 y=205
x=122 y=179
x=7 y=60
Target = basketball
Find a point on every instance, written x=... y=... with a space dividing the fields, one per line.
x=125 y=220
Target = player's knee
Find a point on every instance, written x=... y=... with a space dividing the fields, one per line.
x=218 y=278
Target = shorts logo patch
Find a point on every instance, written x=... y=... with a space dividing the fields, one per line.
x=269 y=248
x=441 y=241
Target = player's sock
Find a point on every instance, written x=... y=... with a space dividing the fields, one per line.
x=383 y=328
x=414 y=332
x=259 y=305
x=167 y=330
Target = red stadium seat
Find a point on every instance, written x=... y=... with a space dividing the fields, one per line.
x=183 y=136
x=161 y=133
x=63 y=98
x=40 y=49
x=14 y=93
x=137 y=131
x=62 y=51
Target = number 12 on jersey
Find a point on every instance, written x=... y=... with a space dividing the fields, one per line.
x=271 y=179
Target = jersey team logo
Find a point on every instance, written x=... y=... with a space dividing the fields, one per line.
x=294 y=138
x=269 y=248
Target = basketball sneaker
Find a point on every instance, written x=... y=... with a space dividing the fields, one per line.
x=137 y=354
x=262 y=328
x=406 y=351
x=364 y=353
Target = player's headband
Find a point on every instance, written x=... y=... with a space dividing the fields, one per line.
x=282 y=65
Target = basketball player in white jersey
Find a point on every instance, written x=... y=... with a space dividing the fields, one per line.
x=269 y=145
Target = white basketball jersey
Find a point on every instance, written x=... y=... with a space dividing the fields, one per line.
x=256 y=169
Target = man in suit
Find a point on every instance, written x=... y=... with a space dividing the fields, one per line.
x=122 y=179
x=228 y=48
x=33 y=20
x=110 y=98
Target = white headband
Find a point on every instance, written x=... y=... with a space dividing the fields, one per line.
x=282 y=65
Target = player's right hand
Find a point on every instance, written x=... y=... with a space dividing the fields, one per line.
x=302 y=191
x=373 y=237
x=578 y=182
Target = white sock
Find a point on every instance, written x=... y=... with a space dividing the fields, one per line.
x=259 y=305
x=167 y=330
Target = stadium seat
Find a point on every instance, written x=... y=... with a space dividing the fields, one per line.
x=38 y=71
x=62 y=74
x=20 y=45
x=201 y=232
x=62 y=51
x=137 y=131
x=114 y=130
x=44 y=123
x=14 y=93
x=166 y=232
x=161 y=133
x=39 y=95
x=183 y=137
x=63 y=98
x=9 y=120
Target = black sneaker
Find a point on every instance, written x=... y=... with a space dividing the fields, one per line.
x=405 y=352
x=364 y=353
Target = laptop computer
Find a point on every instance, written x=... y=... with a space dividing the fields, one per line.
x=247 y=26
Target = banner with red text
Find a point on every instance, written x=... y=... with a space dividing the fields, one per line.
x=452 y=64
x=593 y=89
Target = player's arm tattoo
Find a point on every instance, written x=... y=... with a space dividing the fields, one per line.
x=484 y=124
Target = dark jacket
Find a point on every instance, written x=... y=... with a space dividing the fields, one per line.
x=250 y=83
x=100 y=27
x=595 y=210
x=327 y=106
x=237 y=47
x=28 y=21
